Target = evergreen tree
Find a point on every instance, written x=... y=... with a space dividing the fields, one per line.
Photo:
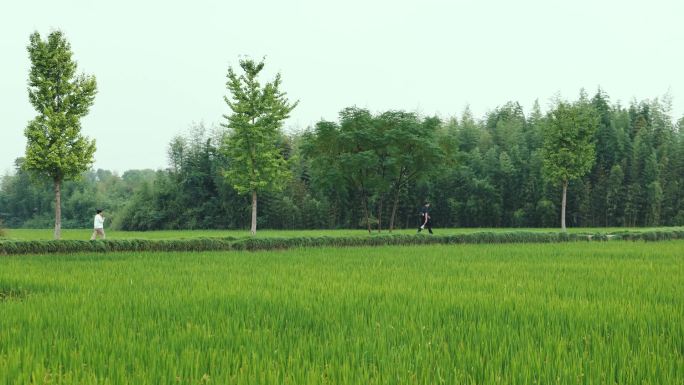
x=640 y=177
x=615 y=197
x=654 y=191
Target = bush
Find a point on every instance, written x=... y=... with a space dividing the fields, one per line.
x=2 y=230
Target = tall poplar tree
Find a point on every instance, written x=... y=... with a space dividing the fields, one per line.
x=256 y=163
x=55 y=147
x=569 y=150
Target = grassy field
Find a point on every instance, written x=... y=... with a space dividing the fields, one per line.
x=579 y=313
x=38 y=234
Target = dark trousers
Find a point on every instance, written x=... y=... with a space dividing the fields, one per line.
x=428 y=225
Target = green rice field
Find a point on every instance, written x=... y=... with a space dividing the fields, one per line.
x=569 y=313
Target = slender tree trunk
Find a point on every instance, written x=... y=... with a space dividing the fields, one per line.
x=332 y=216
x=365 y=211
x=58 y=209
x=380 y=215
x=395 y=204
x=564 y=201
x=254 y=212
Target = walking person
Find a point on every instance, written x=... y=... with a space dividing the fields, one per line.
x=425 y=219
x=98 y=225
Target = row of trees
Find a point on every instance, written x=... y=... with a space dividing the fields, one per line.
x=619 y=166
x=57 y=151
x=610 y=165
x=374 y=170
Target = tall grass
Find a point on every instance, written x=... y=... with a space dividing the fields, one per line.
x=568 y=313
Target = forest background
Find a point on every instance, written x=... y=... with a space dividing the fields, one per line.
x=375 y=169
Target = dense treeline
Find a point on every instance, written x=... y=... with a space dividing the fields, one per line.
x=374 y=171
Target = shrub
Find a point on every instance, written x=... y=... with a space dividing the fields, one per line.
x=231 y=243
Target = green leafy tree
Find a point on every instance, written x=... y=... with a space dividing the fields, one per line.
x=55 y=147
x=412 y=150
x=358 y=158
x=569 y=149
x=351 y=159
x=256 y=162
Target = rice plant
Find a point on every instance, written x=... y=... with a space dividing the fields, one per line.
x=544 y=313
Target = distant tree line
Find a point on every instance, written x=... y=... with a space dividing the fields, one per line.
x=583 y=163
x=374 y=170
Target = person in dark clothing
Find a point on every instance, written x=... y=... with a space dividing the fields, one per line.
x=425 y=220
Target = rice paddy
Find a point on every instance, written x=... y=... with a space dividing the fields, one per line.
x=571 y=313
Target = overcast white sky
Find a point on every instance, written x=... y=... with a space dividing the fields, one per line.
x=161 y=66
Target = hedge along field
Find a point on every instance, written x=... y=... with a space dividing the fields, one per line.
x=278 y=243
x=568 y=313
x=84 y=234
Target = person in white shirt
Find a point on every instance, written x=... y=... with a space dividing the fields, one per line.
x=98 y=225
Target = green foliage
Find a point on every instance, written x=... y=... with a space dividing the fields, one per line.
x=375 y=158
x=590 y=312
x=55 y=147
x=258 y=113
x=378 y=168
x=26 y=202
x=256 y=163
x=191 y=194
x=569 y=150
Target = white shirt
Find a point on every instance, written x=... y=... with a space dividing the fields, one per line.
x=99 y=221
